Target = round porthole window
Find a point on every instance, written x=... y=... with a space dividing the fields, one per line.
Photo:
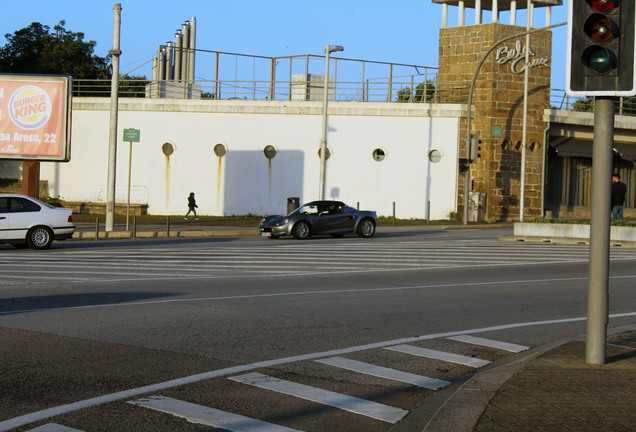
x=220 y=150
x=379 y=155
x=435 y=156
x=167 y=148
x=327 y=154
x=270 y=151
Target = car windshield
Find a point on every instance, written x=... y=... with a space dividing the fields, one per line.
x=306 y=209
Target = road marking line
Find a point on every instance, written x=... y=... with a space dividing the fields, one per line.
x=200 y=414
x=352 y=404
x=506 y=346
x=33 y=417
x=53 y=427
x=383 y=372
x=440 y=355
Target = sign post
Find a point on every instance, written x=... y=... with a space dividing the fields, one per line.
x=130 y=135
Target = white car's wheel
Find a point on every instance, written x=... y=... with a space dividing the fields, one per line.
x=39 y=237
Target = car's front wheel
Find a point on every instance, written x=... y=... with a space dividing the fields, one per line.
x=39 y=237
x=302 y=230
x=366 y=228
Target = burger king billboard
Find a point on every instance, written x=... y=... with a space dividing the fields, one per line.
x=35 y=117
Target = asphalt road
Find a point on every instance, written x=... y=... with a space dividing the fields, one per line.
x=88 y=320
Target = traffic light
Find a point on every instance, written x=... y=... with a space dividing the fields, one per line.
x=600 y=57
x=475 y=148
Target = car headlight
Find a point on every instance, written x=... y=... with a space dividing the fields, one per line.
x=283 y=222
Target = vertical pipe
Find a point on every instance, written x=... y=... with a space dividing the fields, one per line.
x=178 y=55
x=192 y=46
x=129 y=175
x=112 y=141
x=389 y=96
x=323 y=141
x=162 y=64
x=428 y=212
x=548 y=15
x=155 y=71
x=495 y=11
x=461 y=17
x=168 y=226
x=364 y=96
x=272 y=80
x=291 y=75
x=185 y=43
x=393 y=213
x=445 y=15
x=478 y=11
x=598 y=293
x=216 y=77
x=524 y=135
x=169 y=61
x=513 y=12
x=97 y=228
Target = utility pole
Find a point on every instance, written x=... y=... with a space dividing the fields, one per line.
x=112 y=141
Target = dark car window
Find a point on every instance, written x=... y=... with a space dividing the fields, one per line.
x=4 y=205
x=22 y=205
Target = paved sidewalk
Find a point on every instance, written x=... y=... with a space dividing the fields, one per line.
x=548 y=389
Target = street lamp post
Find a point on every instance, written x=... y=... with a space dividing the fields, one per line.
x=323 y=142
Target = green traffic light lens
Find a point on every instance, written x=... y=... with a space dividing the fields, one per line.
x=603 y=5
x=599 y=59
x=600 y=28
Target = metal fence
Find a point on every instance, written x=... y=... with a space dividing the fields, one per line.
x=560 y=100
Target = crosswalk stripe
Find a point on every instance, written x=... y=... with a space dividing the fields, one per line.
x=352 y=404
x=440 y=355
x=200 y=414
x=53 y=427
x=383 y=372
x=506 y=346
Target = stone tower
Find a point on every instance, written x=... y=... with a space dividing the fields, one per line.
x=498 y=102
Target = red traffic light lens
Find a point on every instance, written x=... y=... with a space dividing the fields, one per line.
x=599 y=59
x=602 y=5
x=600 y=28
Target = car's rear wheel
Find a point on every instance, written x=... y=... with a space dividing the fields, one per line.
x=302 y=230
x=366 y=228
x=39 y=237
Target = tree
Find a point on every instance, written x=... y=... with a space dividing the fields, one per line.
x=424 y=92
x=35 y=49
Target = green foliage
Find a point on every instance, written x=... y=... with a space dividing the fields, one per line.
x=38 y=50
x=585 y=105
x=424 y=92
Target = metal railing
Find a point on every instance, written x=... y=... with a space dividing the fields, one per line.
x=372 y=90
x=560 y=100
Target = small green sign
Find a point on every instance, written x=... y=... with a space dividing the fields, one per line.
x=497 y=132
x=132 y=135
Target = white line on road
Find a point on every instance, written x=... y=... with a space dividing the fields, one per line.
x=440 y=355
x=204 y=415
x=352 y=404
x=53 y=427
x=506 y=346
x=131 y=393
x=383 y=372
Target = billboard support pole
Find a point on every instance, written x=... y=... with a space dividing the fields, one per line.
x=31 y=178
x=112 y=142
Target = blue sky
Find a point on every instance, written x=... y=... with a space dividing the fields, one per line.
x=401 y=31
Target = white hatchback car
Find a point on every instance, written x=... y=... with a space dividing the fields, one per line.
x=25 y=221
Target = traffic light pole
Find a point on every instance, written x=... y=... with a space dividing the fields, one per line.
x=598 y=288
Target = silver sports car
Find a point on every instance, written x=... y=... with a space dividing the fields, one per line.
x=320 y=217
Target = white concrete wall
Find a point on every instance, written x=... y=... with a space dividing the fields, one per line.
x=244 y=181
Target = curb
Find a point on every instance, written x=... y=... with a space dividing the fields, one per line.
x=562 y=240
x=103 y=235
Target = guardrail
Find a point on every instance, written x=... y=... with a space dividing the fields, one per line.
x=372 y=90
